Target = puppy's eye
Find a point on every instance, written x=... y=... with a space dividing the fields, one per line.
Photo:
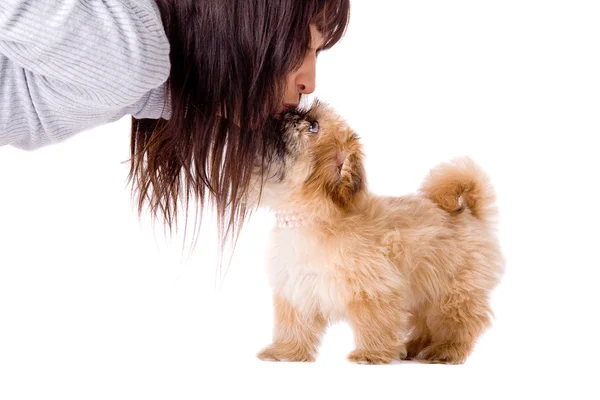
x=314 y=127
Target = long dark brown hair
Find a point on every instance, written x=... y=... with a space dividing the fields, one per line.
x=229 y=63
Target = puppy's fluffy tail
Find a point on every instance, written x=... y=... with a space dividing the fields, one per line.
x=461 y=184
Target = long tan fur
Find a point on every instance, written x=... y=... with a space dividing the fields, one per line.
x=412 y=275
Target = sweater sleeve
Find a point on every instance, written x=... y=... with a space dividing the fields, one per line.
x=77 y=57
x=113 y=51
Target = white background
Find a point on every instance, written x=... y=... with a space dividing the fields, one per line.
x=95 y=304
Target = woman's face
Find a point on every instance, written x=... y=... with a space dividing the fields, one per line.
x=303 y=80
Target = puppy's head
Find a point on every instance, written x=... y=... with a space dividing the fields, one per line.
x=323 y=159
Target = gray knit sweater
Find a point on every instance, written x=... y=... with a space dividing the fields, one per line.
x=71 y=65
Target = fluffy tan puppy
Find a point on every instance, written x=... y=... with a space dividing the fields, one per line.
x=411 y=275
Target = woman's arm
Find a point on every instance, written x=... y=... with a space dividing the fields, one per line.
x=71 y=65
x=112 y=51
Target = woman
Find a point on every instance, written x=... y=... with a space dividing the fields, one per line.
x=203 y=80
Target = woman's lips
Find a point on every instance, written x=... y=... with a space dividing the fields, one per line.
x=286 y=108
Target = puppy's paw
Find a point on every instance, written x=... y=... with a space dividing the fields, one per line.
x=413 y=348
x=372 y=357
x=443 y=354
x=402 y=352
x=285 y=352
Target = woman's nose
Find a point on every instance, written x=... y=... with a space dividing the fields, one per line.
x=306 y=78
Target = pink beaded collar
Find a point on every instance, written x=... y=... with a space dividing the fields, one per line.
x=289 y=219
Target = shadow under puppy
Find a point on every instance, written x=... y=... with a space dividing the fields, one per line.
x=412 y=275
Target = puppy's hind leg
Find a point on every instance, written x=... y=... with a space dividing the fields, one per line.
x=296 y=336
x=419 y=337
x=379 y=331
x=455 y=324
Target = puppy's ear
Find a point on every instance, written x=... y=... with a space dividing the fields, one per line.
x=350 y=182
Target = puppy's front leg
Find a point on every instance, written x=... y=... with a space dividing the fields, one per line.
x=296 y=336
x=377 y=326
